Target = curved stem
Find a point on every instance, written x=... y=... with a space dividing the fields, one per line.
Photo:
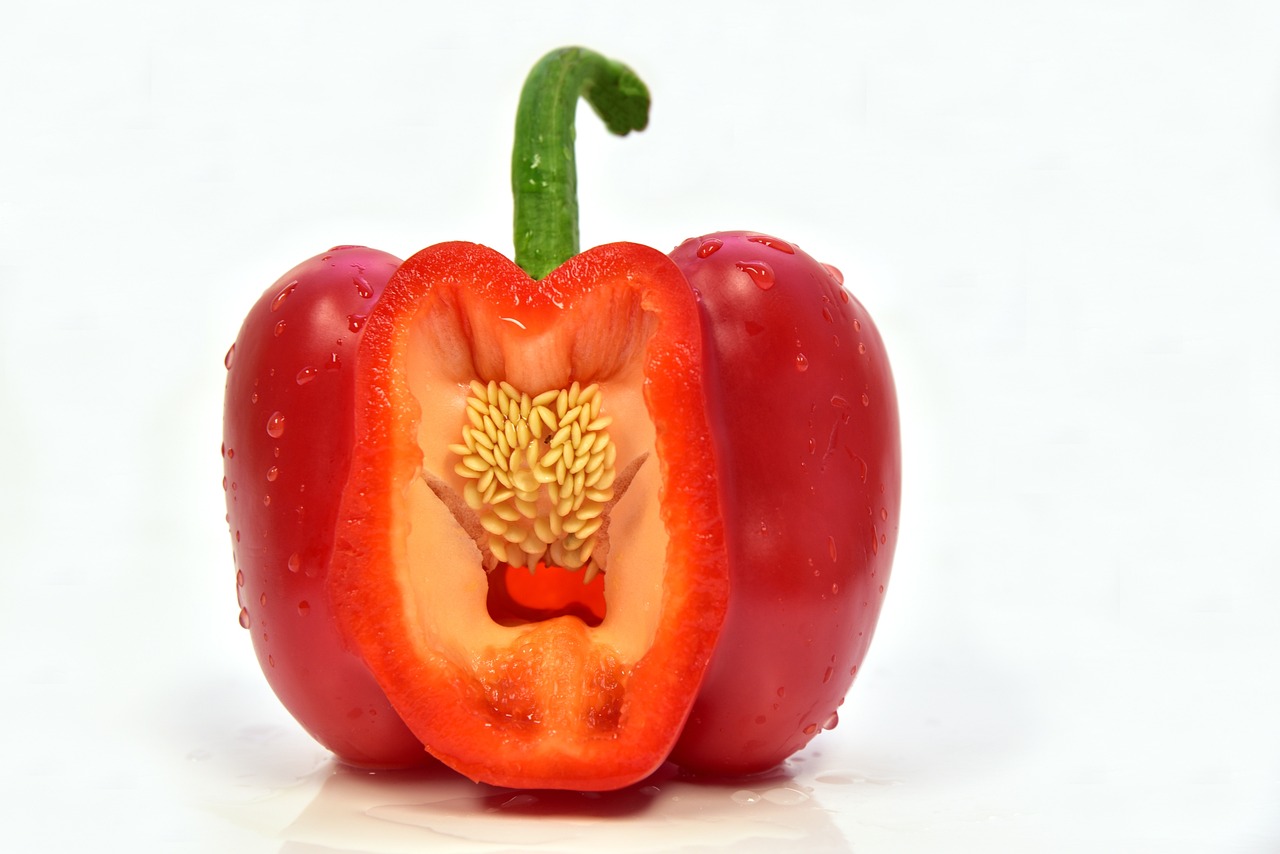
x=544 y=177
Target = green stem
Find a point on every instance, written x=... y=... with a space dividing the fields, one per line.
x=544 y=176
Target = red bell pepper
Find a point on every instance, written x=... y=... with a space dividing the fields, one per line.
x=557 y=521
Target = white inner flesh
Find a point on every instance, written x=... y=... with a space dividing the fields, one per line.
x=444 y=578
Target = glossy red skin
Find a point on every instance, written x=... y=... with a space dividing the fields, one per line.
x=294 y=357
x=805 y=420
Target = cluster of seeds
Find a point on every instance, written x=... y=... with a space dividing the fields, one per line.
x=539 y=473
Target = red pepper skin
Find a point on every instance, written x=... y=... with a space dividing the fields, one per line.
x=805 y=415
x=288 y=436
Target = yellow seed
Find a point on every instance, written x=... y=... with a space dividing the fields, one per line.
x=498 y=546
x=593 y=475
x=601 y=495
x=459 y=450
x=505 y=511
x=542 y=529
x=475 y=418
x=562 y=435
x=579 y=481
x=578 y=498
x=562 y=403
x=584 y=446
x=475 y=462
x=493 y=524
x=524 y=481
x=556 y=523
x=514 y=534
x=561 y=471
x=606 y=478
x=471 y=495
x=479 y=437
x=579 y=464
x=610 y=454
x=549 y=458
x=528 y=509
x=523 y=436
x=495 y=415
x=589 y=510
x=575 y=432
x=546 y=397
x=478 y=389
x=484 y=453
x=574 y=391
x=478 y=405
x=512 y=435
x=544 y=475
x=486 y=480
x=489 y=491
x=503 y=446
x=500 y=496
x=590 y=527
x=587 y=548
x=584 y=418
x=491 y=392
x=489 y=428
x=570 y=415
x=535 y=423
x=548 y=417
x=567 y=454
x=595 y=407
x=600 y=423
x=502 y=463
x=573 y=524
x=509 y=389
x=468 y=436
x=503 y=477
x=515 y=557
x=590 y=572
x=595 y=463
x=565 y=507
x=525 y=405
x=589 y=393
x=532 y=546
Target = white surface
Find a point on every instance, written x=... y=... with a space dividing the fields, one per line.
x=1064 y=216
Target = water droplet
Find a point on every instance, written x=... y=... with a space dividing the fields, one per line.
x=746 y=797
x=224 y=484
x=239 y=578
x=826 y=676
x=253 y=398
x=283 y=295
x=773 y=243
x=333 y=364
x=802 y=362
x=761 y=719
x=862 y=348
x=244 y=618
x=882 y=586
x=275 y=425
x=831 y=547
x=810 y=729
x=231 y=453
x=233 y=486
x=866 y=401
x=826 y=315
x=355 y=322
x=266 y=501
x=835 y=274
x=857 y=324
x=295 y=562
x=304 y=608
x=760 y=273
x=839 y=402
x=279 y=330
x=231 y=353
x=709 y=247
x=782 y=692
x=835 y=589
x=273 y=473
x=884 y=513
x=813 y=446
x=832 y=721
x=271 y=661
x=853 y=671
x=363 y=287
x=262 y=600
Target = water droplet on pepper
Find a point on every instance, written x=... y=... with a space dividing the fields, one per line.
x=275 y=425
x=283 y=295
x=760 y=273
x=709 y=247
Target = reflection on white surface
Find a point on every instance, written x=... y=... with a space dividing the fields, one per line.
x=268 y=782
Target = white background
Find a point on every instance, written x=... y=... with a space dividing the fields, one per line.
x=1064 y=216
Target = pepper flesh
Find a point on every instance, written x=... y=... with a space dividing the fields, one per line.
x=553 y=703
